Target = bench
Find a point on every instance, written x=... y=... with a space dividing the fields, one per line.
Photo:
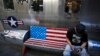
x=47 y=38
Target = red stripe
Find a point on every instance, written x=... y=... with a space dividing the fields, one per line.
x=56 y=32
x=55 y=43
x=34 y=41
x=55 y=36
x=55 y=40
x=51 y=45
x=64 y=29
x=37 y=43
x=28 y=44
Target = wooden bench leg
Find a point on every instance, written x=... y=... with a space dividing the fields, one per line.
x=24 y=50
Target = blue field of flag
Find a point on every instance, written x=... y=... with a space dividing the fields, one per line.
x=38 y=32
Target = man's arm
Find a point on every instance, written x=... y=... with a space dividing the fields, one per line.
x=83 y=45
x=68 y=41
x=69 y=35
x=85 y=40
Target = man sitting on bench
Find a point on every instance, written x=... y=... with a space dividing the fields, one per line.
x=77 y=41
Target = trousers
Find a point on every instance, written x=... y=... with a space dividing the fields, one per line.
x=68 y=50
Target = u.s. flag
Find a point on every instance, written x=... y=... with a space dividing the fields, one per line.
x=54 y=38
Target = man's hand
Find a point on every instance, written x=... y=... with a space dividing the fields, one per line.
x=79 y=50
x=75 y=52
x=72 y=47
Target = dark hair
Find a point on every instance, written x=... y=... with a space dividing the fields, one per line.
x=80 y=28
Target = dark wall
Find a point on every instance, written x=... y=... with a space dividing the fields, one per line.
x=90 y=16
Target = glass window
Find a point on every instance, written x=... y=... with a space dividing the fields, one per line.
x=8 y=4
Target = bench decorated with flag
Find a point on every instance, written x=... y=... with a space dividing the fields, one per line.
x=48 y=38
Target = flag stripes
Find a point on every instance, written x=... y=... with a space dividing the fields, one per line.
x=55 y=39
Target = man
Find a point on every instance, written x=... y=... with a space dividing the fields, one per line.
x=77 y=40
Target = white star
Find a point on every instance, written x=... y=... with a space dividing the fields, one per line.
x=12 y=22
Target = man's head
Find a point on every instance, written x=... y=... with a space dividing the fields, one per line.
x=80 y=28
